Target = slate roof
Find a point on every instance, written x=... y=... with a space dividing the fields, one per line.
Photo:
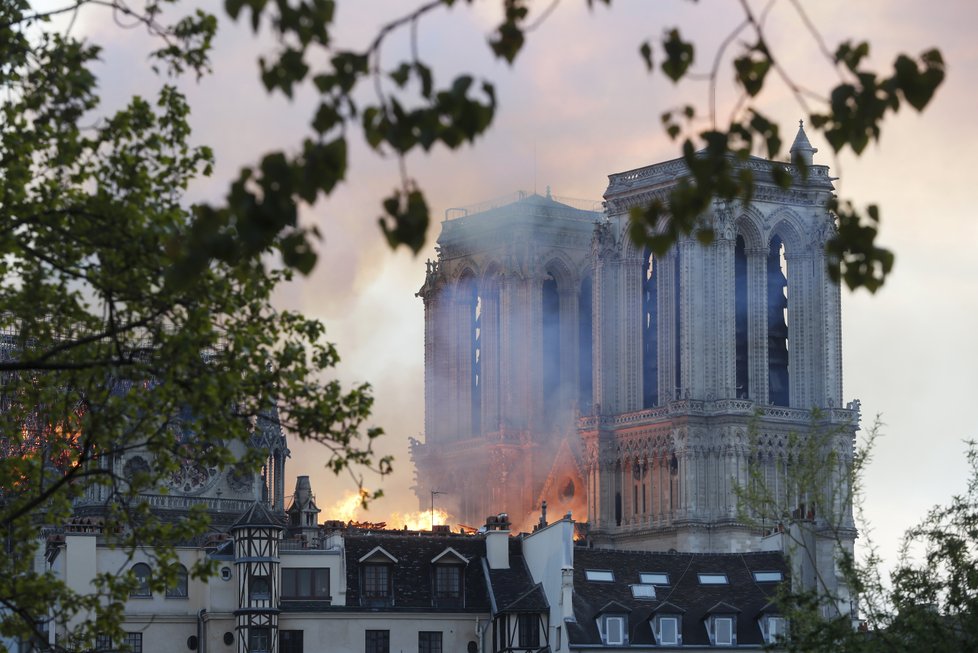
x=413 y=573
x=513 y=589
x=684 y=595
x=258 y=515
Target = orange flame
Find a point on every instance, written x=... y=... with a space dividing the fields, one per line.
x=350 y=508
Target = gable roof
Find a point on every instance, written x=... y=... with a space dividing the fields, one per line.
x=685 y=595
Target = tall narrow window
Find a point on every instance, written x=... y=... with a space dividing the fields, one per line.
x=777 y=324
x=650 y=331
x=740 y=317
x=586 y=364
x=529 y=630
x=551 y=349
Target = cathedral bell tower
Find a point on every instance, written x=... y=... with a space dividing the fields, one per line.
x=507 y=359
x=714 y=365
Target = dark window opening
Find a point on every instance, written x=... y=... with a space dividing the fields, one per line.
x=259 y=640
x=618 y=508
x=133 y=642
x=376 y=583
x=740 y=316
x=290 y=641
x=259 y=589
x=178 y=590
x=586 y=362
x=305 y=583
x=551 y=349
x=448 y=581
x=143 y=575
x=529 y=630
x=429 y=642
x=650 y=331
x=777 y=324
x=377 y=641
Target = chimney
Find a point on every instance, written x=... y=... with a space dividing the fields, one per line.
x=497 y=541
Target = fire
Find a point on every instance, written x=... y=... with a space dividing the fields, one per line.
x=350 y=508
x=417 y=521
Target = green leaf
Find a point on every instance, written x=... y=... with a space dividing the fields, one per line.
x=645 y=50
x=679 y=55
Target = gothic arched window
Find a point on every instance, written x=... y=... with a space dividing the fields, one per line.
x=650 y=331
x=777 y=323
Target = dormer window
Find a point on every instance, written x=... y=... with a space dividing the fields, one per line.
x=376 y=581
x=613 y=629
x=448 y=581
x=376 y=578
x=447 y=575
x=666 y=629
x=773 y=628
x=722 y=630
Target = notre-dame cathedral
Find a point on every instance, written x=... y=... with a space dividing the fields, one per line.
x=565 y=365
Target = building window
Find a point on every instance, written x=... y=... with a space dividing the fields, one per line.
x=103 y=643
x=376 y=581
x=260 y=589
x=653 y=578
x=774 y=629
x=529 y=630
x=305 y=583
x=377 y=641
x=768 y=577
x=599 y=575
x=448 y=581
x=712 y=579
x=723 y=634
x=178 y=590
x=143 y=575
x=429 y=642
x=290 y=641
x=132 y=642
x=259 y=640
x=614 y=630
x=667 y=631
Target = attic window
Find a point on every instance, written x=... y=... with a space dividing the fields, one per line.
x=614 y=630
x=713 y=579
x=643 y=591
x=666 y=630
x=600 y=575
x=723 y=631
x=654 y=578
x=768 y=576
x=774 y=629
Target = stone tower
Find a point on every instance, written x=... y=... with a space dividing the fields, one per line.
x=507 y=359
x=717 y=366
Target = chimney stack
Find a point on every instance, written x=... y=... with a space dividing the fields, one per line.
x=497 y=541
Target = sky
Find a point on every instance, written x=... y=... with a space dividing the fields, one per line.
x=579 y=105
